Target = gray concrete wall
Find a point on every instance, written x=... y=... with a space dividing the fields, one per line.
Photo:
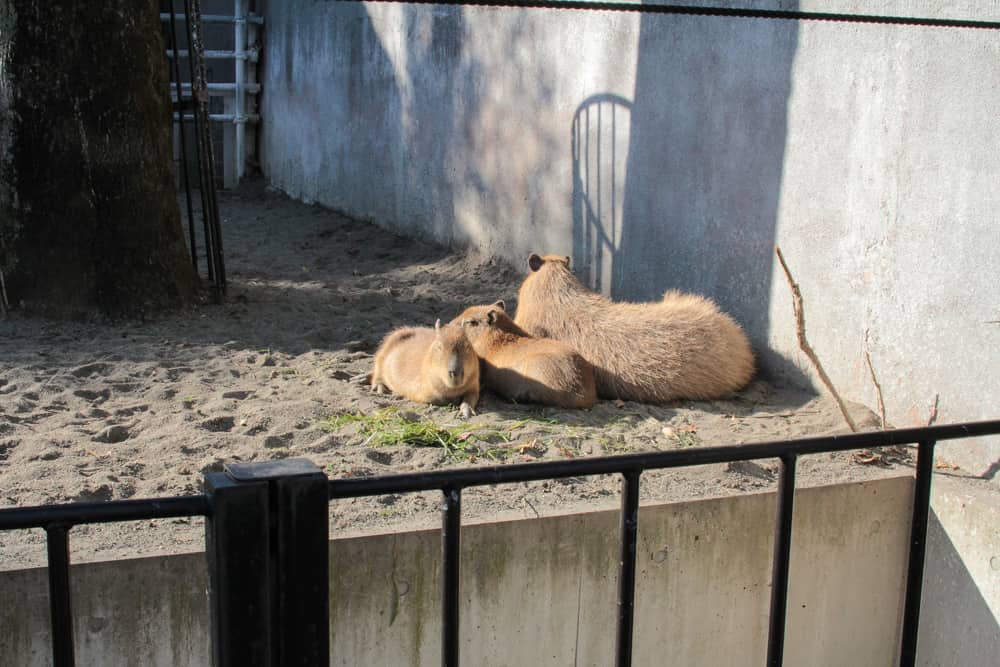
x=961 y=598
x=543 y=591
x=665 y=151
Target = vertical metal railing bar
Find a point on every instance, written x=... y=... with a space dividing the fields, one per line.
x=197 y=142
x=626 y=567
x=918 y=551
x=239 y=69
x=180 y=131
x=200 y=94
x=61 y=612
x=450 y=594
x=782 y=556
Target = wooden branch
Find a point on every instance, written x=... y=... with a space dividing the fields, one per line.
x=800 y=331
x=4 y=304
x=932 y=417
x=878 y=390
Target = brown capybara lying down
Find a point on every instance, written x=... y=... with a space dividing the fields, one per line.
x=680 y=347
x=525 y=369
x=426 y=365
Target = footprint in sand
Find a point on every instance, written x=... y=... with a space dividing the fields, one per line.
x=92 y=370
x=218 y=424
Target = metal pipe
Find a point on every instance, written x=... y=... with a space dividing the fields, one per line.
x=782 y=554
x=194 y=77
x=249 y=54
x=222 y=18
x=451 y=527
x=524 y=472
x=39 y=516
x=240 y=44
x=226 y=117
x=918 y=551
x=60 y=610
x=217 y=272
x=626 y=567
x=250 y=88
x=175 y=66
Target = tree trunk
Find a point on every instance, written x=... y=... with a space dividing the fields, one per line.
x=89 y=221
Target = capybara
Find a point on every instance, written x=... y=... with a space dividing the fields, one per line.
x=427 y=365
x=680 y=347
x=525 y=369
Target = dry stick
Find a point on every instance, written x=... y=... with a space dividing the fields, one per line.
x=800 y=330
x=878 y=390
x=932 y=417
x=4 y=306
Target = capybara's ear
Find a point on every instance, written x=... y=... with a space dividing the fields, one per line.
x=567 y=261
x=491 y=316
x=535 y=262
x=501 y=305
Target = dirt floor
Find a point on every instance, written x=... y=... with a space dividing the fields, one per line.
x=95 y=412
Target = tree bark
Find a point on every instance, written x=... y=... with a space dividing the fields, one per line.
x=89 y=221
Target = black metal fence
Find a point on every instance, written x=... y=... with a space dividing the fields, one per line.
x=267 y=532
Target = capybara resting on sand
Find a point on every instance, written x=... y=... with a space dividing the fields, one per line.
x=427 y=365
x=525 y=369
x=680 y=347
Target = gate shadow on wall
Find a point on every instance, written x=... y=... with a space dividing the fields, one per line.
x=679 y=188
x=599 y=148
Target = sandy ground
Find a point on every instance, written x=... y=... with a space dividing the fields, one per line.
x=95 y=412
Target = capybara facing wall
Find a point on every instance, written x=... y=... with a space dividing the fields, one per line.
x=680 y=347
x=525 y=369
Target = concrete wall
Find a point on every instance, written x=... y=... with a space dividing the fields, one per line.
x=961 y=598
x=543 y=591
x=667 y=151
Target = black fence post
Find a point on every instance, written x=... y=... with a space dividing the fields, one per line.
x=918 y=550
x=626 y=567
x=57 y=537
x=268 y=563
x=780 y=566
x=451 y=535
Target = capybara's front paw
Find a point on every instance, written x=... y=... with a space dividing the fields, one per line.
x=466 y=411
x=363 y=378
x=380 y=388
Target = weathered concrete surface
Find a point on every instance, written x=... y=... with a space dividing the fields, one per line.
x=144 y=612
x=676 y=152
x=961 y=603
x=543 y=591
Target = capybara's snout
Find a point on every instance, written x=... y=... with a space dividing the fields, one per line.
x=456 y=370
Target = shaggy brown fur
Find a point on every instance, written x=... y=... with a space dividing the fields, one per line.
x=680 y=347
x=526 y=369
x=426 y=365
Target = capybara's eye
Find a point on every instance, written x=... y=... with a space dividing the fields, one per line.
x=473 y=323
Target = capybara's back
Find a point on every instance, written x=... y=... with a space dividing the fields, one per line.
x=526 y=369
x=680 y=347
x=436 y=366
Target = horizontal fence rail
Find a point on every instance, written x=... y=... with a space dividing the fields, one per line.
x=529 y=472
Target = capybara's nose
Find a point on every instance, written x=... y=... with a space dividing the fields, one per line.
x=456 y=374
